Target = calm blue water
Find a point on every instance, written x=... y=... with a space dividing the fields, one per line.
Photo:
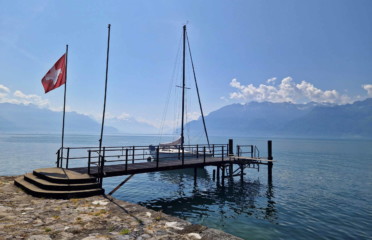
x=321 y=189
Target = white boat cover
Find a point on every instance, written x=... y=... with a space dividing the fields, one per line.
x=174 y=143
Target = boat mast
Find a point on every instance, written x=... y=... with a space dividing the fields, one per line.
x=183 y=84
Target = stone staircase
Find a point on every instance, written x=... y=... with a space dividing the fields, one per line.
x=58 y=183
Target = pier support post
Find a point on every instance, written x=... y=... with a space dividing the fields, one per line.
x=195 y=175
x=241 y=172
x=231 y=170
x=218 y=174
x=231 y=147
x=214 y=175
x=223 y=175
x=270 y=157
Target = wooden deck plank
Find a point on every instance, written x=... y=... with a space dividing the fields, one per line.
x=145 y=167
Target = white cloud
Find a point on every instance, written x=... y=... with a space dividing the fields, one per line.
x=271 y=80
x=4 y=89
x=287 y=91
x=368 y=88
x=19 y=97
x=30 y=99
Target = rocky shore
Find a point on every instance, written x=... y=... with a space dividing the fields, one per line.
x=25 y=217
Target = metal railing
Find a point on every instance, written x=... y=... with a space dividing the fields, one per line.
x=250 y=150
x=94 y=157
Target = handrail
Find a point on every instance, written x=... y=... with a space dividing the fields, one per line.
x=132 y=154
x=251 y=150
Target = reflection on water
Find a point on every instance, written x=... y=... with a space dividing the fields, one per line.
x=207 y=198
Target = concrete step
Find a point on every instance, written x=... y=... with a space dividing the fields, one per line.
x=47 y=185
x=65 y=176
x=39 y=192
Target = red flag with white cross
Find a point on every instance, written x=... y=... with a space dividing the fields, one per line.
x=56 y=76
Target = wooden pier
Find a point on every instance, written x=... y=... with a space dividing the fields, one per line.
x=172 y=164
x=131 y=160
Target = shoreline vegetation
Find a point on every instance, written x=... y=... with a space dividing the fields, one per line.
x=23 y=216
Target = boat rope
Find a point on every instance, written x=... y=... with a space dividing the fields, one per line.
x=169 y=92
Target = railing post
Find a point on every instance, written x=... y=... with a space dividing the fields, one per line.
x=157 y=157
x=89 y=160
x=126 y=159
x=102 y=165
x=133 y=153
x=197 y=151
x=252 y=151
x=213 y=150
x=222 y=152
x=238 y=150
x=61 y=162
x=68 y=156
x=58 y=155
x=204 y=153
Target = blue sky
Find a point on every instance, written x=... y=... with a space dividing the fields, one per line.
x=288 y=50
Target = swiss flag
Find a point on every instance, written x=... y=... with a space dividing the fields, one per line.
x=56 y=76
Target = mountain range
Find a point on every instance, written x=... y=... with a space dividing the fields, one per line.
x=18 y=118
x=266 y=119
x=254 y=119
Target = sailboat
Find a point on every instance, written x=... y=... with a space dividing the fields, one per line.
x=176 y=148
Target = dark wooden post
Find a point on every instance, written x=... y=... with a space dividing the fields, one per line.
x=195 y=175
x=218 y=174
x=214 y=175
x=223 y=175
x=197 y=151
x=241 y=172
x=270 y=157
x=231 y=149
x=231 y=170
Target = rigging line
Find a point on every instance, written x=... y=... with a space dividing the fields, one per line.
x=170 y=87
x=197 y=90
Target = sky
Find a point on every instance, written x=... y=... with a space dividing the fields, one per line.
x=243 y=50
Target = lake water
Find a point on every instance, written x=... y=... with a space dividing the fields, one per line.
x=321 y=189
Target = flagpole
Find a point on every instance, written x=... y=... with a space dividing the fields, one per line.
x=104 y=101
x=64 y=106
